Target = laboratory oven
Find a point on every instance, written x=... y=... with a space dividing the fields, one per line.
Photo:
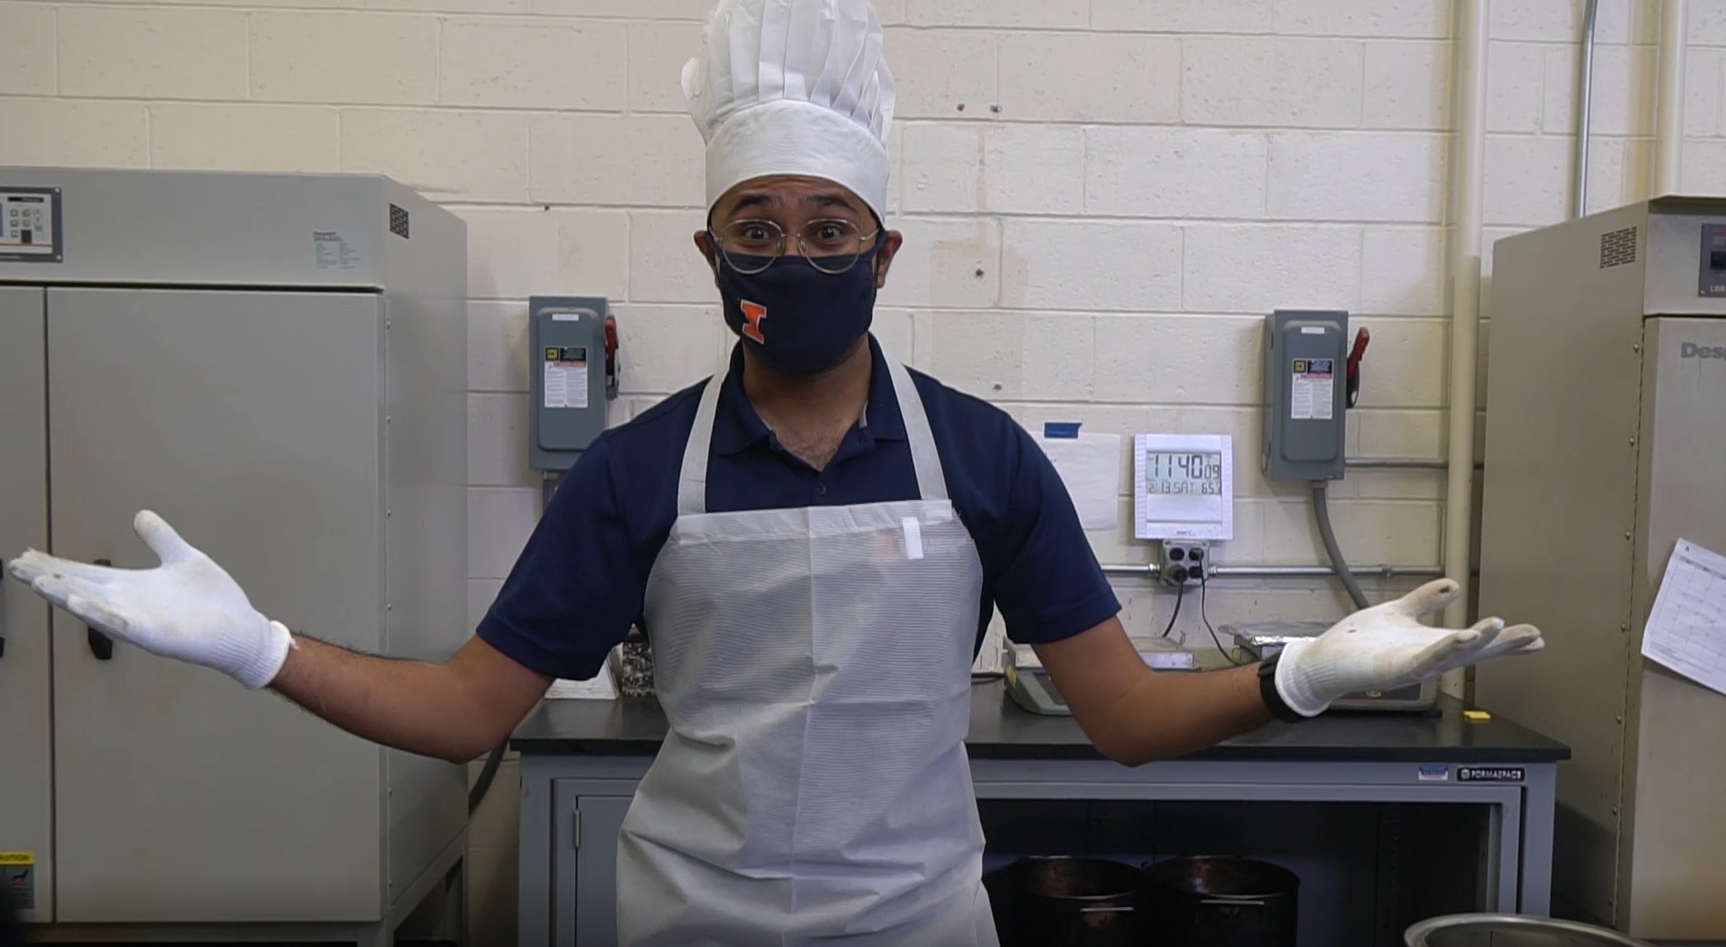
x=277 y=365
x=1604 y=514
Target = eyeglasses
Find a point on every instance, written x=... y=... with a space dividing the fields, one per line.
x=831 y=246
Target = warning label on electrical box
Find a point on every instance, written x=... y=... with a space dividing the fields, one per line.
x=18 y=878
x=1314 y=395
x=566 y=376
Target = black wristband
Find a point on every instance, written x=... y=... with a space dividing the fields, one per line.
x=1273 y=700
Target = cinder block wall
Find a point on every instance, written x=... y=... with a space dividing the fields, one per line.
x=1100 y=200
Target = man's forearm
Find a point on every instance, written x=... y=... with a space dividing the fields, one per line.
x=414 y=706
x=1135 y=715
x=1169 y=715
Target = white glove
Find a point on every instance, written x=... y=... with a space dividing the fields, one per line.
x=1386 y=647
x=187 y=609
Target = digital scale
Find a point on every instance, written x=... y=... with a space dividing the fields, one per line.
x=1033 y=690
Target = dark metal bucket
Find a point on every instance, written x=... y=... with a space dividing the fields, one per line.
x=1222 y=902
x=1059 y=901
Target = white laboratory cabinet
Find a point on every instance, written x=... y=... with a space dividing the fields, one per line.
x=276 y=364
x=1606 y=446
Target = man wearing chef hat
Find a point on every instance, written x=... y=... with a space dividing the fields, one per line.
x=813 y=541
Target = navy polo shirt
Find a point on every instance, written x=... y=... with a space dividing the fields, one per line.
x=580 y=583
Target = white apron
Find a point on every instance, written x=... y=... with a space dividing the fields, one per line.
x=815 y=667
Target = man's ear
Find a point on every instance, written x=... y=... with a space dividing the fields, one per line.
x=709 y=251
x=884 y=260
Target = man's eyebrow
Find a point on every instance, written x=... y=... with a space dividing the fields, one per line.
x=832 y=199
x=757 y=199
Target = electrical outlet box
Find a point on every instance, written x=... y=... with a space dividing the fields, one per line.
x=572 y=377
x=1185 y=561
x=1306 y=395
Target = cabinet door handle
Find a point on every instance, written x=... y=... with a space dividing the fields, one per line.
x=101 y=645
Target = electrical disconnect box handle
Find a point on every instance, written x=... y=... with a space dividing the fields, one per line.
x=573 y=376
x=1306 y=395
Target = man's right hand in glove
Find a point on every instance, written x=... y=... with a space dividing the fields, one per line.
x=187 y=608
x=190 y=609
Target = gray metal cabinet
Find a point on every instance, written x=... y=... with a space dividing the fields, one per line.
x=26 y=746
x=584 y=860
x=1606 y=446
x=1378 y=844
x=278 y=367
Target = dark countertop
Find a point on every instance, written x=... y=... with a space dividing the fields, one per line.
x=1001 y=730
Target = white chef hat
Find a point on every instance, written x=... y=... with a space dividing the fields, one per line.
x=793 y=87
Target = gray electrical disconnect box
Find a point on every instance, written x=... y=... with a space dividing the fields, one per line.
x=1306 y=395
x=573 y=344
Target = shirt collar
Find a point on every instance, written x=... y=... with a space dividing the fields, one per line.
x=737 y=426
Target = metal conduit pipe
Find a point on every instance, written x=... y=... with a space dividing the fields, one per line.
x=1584 y=108
x=1290 y=572
x=1391 y=463
x=1669 y=108
x=1468 y=215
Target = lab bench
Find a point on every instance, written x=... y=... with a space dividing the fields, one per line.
x=1386 y=818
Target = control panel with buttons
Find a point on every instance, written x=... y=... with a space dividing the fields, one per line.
x=1713 y=260
x=30 y=225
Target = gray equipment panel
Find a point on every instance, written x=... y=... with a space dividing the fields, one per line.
x=1679 y=819
x=569 y=385
x=1306 y=395
x=26 y=760
x=250 y=421
x=584 y=857
x=229 y=229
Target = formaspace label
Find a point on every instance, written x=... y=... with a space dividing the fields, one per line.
x=1491 y=774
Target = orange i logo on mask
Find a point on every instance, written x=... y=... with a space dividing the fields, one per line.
x=753 y=313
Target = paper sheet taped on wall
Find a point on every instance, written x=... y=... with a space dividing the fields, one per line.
x=1686 y=630
x=1314 y=395
x=1090 y=466
x=566 y=376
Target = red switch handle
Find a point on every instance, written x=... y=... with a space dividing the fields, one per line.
x=1361 y=340
x=611 y=356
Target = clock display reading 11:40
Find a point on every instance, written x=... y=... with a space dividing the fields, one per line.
x=1183 y=473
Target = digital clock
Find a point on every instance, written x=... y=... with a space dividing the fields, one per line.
x=1183 y=473
x=1183 y=487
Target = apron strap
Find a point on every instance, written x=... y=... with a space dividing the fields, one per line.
x=931 y=479
x=692 y=483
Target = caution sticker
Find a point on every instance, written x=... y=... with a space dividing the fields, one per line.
x=18 y=878
x=1314 y=389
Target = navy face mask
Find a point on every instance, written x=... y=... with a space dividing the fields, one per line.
x=795 y=318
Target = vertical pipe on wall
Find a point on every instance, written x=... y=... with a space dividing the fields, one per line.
x=1669 y=109
x=1465 y=254
x=1584 y=108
